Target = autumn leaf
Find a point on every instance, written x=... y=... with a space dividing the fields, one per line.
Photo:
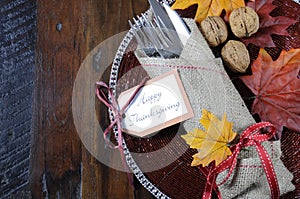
x=213 y=144
x=209 y=7
x=276 y=88
x=268 y=25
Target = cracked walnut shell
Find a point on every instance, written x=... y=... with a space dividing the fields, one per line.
x=214 y=30
x=244 y=22
x=236 y=56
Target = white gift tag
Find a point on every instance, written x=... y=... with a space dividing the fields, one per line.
x=162 y=102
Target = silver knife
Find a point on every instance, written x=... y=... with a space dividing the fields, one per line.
x=171 y=20
x=179 y=25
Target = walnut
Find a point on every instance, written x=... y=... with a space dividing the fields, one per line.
x=244 y=22
x=236 y=56
x=214 y=30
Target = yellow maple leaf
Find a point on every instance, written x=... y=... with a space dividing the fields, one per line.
x=209 y=7
x=213 y=144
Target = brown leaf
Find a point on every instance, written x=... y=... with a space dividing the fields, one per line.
x=268 y=25
x=276 y=88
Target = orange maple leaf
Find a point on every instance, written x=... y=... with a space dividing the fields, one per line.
x=209 y=7
x=276 y=87
x=212 y=145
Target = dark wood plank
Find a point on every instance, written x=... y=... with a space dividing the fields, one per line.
x=17 y=36
x=56 y=152
x=67 y=31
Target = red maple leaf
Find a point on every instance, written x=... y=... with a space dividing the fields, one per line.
x=268 y=25
x=276 y=87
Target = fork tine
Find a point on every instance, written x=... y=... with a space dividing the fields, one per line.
x=152 y=33
x=161 y=43
x=137 y=36
x=153 y=37
x=160 y=36
x=169 y=33
x=139 y=24
x=164 y=37
x=142 y=37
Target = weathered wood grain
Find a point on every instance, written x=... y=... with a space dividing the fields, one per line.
x=67 y=30
x=17 y=36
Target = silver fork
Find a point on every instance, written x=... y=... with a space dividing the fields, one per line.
x=154 y=38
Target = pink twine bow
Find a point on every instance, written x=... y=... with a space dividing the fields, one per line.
x=118 y=115
x=250 y=137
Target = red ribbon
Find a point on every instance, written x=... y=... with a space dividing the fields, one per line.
x=252 y=136
x=117 y=117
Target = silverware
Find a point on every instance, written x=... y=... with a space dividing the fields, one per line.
x=162 y=35
x=155 y=39
x=171 y=20
x=179 y=25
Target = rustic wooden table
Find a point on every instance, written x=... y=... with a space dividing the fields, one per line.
x=67 y=31
x=60 y=166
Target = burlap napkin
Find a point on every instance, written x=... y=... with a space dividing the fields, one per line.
x=208 y=87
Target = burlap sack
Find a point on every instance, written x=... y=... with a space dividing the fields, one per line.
x=208 y=87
